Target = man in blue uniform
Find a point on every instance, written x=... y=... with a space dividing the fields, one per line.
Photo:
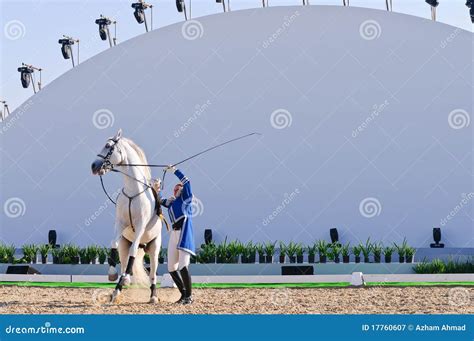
x=181 y=243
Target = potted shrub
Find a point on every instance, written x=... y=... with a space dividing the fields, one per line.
x=56 y=253
x=387 y=251
x=162 y=255
x=248 y=253
x=269 y=252
x=193 y=259
x=322 y=247
x=282 y=252
x=207 y=253
x=345 y=251
x=234 y=250
x=312 y=253
x=115 y=260
x=356 y=251
x=221 y=252
x=401 y=250
x=72 y=252
x=409 y=254
x=29 y=253
x=377 y=251
x=83 y=255
x=103 y=255
x=291 y=251
x=9 y=253
x=3 y=257
x=299 y=253
x=93 y=252
x=366 y=249
x=261 y=252
x=334 y=252
x=44 y=249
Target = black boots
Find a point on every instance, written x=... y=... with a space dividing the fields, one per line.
x=186 y=276
x=179 y=283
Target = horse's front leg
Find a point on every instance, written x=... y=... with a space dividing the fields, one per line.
x=114 y=255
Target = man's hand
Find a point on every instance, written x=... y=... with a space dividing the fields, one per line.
x=171 y=168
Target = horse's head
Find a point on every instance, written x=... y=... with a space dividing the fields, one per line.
x=109 y=156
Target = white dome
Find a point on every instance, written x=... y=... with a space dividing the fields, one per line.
x=371 y=112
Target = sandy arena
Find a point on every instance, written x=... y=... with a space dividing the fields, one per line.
x=374 y=300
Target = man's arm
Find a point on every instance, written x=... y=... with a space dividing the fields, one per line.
x=186 y=193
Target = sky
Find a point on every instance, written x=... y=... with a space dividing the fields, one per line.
x=31 y=29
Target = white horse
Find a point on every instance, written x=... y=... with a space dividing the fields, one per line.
x=137 y=226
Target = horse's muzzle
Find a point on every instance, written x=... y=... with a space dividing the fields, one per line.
x=96 y=167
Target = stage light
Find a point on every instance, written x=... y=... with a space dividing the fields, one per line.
x=388 y=3
x=264 y=3
x=433 y=4
x=52 y=238
x=66 y=48
x=207 y=236
x=334 y=235
x=345 y=2
x=5 y=111
x=104 y=31
x=181 y=7
x=437 y=238
x=139 y=13
x=27 y=76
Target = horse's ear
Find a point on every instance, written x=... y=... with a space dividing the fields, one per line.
x=118 y=136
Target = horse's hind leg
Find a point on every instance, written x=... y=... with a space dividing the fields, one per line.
x=153 y=249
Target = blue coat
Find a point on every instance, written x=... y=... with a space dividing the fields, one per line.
x=181 y=208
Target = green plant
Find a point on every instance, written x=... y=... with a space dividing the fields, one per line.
x=9 y=251
x=345 y=250
x=312 y=249
x=234 y=249
x=438 y=266
x=221 y=251
x=299 y=250
x=83 y=254
x=44 y=249
x=334 y=251
x=260 y=247
x=269 y=248
x=409 y=251
x=102 y=255
x=29 y=252
x=249 y=249
x=367 y=248
x=291 y=249
x=388 y=251
x=163 y=253
x=322 y=247
x=401 y=247
x=93 y=252
x=377 y=249
x=207 y=253
x=283 y=249
x=57 y=254
x=357 y=250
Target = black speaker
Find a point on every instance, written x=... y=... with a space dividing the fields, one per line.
x=52 y=238
x=334 y=235
x=297 y=270
x=208 y=236
x=437 y=238
x=22 y=270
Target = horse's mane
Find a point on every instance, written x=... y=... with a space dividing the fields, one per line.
x=141 y=155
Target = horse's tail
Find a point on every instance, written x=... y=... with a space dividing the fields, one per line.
x=140 y=276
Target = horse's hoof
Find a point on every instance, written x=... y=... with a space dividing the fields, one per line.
x=113 y=277
x=114 y=296
x=153 y=300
